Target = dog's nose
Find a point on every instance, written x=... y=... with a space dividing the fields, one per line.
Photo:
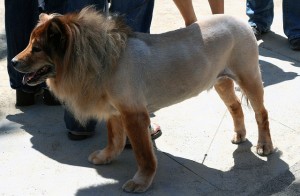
x=14 y=62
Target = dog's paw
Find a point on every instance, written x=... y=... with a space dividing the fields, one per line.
x=132 y=187
x=264 y=149
x=238 y=138
x=100 y=157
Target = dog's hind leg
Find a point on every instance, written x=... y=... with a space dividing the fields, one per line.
x=225 y=89
x=251 y=84
x=136 y=125
x=116 y=142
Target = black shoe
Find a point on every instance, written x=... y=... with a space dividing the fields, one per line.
x=295 y=44
x=257 y=33
x=49 y=99
x=24 y=98
x=80 y=135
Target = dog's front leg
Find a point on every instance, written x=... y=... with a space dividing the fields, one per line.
x=116 y=142
x=136 y=125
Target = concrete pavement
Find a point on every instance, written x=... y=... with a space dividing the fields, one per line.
x=195 y=155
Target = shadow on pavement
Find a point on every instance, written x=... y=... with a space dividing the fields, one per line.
x=247 y=175
x=49 y=135
x=3 y=49
x=277 y=48
x=175 y=175
x=271 y=74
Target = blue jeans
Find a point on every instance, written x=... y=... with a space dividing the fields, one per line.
x=261 y=14
x=138 y=15
x=63 y=7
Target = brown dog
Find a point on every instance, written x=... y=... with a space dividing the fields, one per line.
x=99 y=68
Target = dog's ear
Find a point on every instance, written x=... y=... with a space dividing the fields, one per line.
x=56 y=30
x=44 y=17
x=56 y=34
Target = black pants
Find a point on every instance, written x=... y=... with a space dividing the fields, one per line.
x=20 y=18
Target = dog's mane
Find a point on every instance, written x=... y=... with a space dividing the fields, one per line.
x=95 y=42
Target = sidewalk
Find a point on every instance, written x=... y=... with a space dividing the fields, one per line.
x=195 y=155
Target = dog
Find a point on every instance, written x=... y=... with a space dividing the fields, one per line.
x=98 y=67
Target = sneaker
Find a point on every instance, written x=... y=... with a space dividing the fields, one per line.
x=257 y=33
x=295 y=44
x=80 y=135
x=24 y=98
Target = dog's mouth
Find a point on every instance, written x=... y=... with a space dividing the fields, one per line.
x=39 y=76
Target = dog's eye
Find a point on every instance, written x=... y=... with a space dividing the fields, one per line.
x=36 y=49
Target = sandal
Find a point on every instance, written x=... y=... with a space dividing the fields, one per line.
x=155 y=131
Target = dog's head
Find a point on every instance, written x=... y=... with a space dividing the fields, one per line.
x=47 y=44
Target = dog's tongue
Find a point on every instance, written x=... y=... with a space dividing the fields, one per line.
x=27 y=77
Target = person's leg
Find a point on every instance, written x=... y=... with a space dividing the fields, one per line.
x=216 y=6
x=186 y=10
x=291 y=22
x=138 y=13
x=188 y=13
x=77 y=5
x=76 y=130
x=65 y=6
x=56 y=6
x=260 y=15
x=20 y=18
